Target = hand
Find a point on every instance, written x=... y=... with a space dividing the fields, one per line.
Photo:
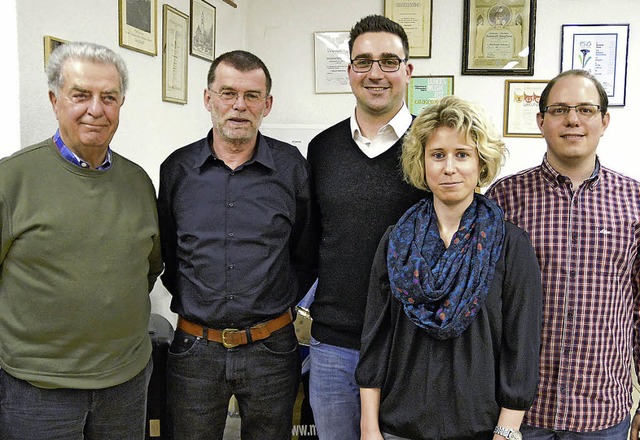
x=371 y=436
x=635 y=428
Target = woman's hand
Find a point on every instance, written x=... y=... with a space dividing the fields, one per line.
x=370 y=403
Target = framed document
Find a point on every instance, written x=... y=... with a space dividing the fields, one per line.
x=415 y=17
x=331 y=61
x=498 y=37
x=521 y=105
x=602 y=50
x=203 y=30
x=175 y=48
x=426 y=90
x=50 y=44
x=138 y=25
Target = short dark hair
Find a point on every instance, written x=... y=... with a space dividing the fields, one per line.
x=240 y=60
x=378 y=23
x=604 y=99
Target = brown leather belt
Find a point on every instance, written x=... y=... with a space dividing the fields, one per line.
x=232 y=337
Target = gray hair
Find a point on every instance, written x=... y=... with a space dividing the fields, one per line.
x=87 y=52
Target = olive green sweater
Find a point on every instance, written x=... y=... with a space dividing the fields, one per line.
x=79 y=253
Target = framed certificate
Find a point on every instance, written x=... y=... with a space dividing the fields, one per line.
x=415 y=17
x=521 y=105
x=175 y=49
x=426 y=90
x=602 y=50
x=331 y=61
x=498 y=38
x=138 y=25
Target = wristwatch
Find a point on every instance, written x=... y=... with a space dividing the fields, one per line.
x=508 y=433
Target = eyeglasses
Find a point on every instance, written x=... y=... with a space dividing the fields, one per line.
x=362 y=65
x=585 y=111
x=232 y=96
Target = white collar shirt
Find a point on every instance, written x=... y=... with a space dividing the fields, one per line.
x=387 y=135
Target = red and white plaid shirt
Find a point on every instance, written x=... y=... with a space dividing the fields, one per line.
x=587 y=245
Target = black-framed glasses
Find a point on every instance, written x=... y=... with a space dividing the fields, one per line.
x=585 y=111
x=232 y=96
x=362 y=65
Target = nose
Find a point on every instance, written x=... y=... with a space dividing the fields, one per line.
x=95 y=107
x=449 y=165
x=376 y=71
x=240 y=103
x=572 y=117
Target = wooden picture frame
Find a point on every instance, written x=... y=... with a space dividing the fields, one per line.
x=424 y=91
x=138 y=25
x=50 y=44
x=203 y=30
x=416 y=19
x=581 y=42
x=521 y=106
x=498 y=38
x=175 y=50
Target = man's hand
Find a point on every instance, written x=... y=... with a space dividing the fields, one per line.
x=635 y=427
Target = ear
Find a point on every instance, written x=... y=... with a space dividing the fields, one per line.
x=268 y=106
x=54 y=102
x=409 y=70
x=540 y=121
x=207 y=99
x=605 y=123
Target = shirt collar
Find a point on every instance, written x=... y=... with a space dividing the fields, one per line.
x=262 y=154
x=400 y=123
x=556 y=178
x=74 y=159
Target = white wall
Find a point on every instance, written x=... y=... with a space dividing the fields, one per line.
x=281 y=33
x=10 y=120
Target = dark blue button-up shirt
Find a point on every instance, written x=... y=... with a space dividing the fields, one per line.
x=237 y=244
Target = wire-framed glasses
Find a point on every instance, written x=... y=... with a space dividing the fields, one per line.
x=232 y=96
x=585 y=111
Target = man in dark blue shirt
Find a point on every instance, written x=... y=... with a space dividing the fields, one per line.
x=235 y=212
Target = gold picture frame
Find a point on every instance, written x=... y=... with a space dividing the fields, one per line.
x=50 y=44
x=416 y=19
x=203 y=30
x=138 y=25
x=498 y=38
x=521 y=106
x=175 y=50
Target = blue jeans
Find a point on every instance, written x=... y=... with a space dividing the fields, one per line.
x=202 y=376
x=333 y=392
x=115 y=413
x=617 y=432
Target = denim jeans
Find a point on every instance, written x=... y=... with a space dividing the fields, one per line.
x=333 y=392
x=617 y=432
x=115 y=413
x=202 y=376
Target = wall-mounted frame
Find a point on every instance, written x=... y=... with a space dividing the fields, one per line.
x=138 y=25
x=498 y=38
x=416 y=19
x=601 y=49
x=331 y=53
x=521 y=105
x=175 y=50
x=426 y=90
x=50 y=43
x=203 y=30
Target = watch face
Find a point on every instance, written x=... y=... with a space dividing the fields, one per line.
x=515 y=435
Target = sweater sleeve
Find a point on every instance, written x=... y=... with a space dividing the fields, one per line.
x=5 y=228
x=521 y=323
x=377 y=333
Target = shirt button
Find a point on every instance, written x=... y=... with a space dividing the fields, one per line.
x=230 y=297
x=230 y=204
x=230 y=234
x=231 y=266
x=84 y=165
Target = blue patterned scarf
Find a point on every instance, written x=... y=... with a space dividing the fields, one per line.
x=443 y=289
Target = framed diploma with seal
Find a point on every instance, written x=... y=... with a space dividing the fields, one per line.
x=498 y=37
x=602 y=50
x=426 y=90
x=521 y=105
x=415 y=18
x=331 y=61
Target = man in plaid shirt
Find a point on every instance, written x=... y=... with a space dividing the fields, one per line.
x=584 y=222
